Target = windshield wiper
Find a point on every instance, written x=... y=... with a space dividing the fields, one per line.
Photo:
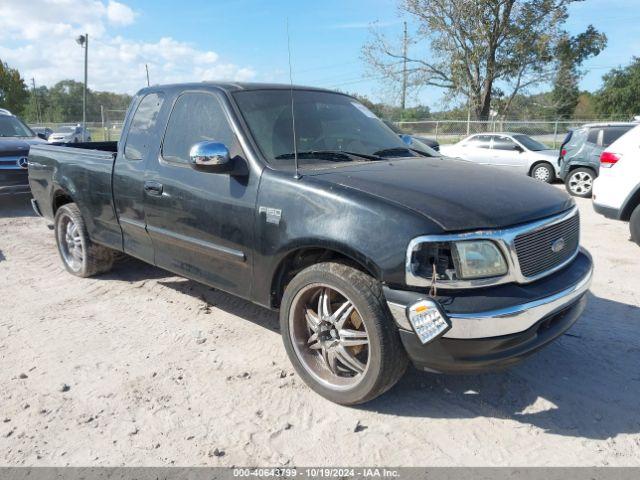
x=331 y=155
x=389 y=152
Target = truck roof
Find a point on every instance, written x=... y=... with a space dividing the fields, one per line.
x=234 y=86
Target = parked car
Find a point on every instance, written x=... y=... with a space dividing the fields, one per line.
x=513 y=152
x=616 y=191
x=43 y=132
x=373 y=253
x=407 y=137
x=580 y=151
x=15 y=140
x=70 y=134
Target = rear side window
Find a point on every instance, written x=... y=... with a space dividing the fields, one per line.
x=196 y=117
x=479 y=141
x=577 y=139
x=593 y=135
x=140 y=136
x=611 y=134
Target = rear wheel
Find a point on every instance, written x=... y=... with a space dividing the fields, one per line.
x=544 y=172
x=579 y=182
x=634 y=225
x=80 y=255
x=339 y=335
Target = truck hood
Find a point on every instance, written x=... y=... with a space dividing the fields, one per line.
x=454 y=194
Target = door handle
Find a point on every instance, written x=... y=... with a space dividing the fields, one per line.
x=153 y=188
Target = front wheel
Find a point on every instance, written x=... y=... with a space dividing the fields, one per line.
x=543 y=172
x=579 y=182
x=339 y=334
x=80 y=255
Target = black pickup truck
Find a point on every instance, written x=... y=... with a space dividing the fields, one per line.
x=300 y=199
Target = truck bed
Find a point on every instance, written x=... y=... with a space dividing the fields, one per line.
x=85 y=170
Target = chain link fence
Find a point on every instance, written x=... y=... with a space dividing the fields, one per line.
x=108 y=129
x=550 y=132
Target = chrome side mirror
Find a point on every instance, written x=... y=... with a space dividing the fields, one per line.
x=210 y=157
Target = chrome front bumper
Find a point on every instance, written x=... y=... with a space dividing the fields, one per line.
x=505 y=321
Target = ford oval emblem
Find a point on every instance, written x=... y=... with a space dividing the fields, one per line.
x=558 y=245
x=23 y=162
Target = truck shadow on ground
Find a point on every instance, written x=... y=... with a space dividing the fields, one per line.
x=586 y=384
x=14 y=206
x=231 y=304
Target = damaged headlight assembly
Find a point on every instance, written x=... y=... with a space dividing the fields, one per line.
x=456 y=263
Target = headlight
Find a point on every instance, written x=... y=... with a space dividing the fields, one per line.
x=478 y=259
x=451 y=261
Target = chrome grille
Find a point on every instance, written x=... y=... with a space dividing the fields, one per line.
x=534 y=249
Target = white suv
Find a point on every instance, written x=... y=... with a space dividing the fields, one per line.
x=616 y=192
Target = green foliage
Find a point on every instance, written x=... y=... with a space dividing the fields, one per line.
x=394 y=113
x=63 y=103
x=13 y=90
x=485 y=50
x=571 y=52
x=620 y=93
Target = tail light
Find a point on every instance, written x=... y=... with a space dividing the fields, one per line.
x=608 y=159
x=563 y=152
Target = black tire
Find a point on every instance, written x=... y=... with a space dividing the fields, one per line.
x=387 y=359
x=579 y=182
x=634 y=225
x=95 y=258
x=544 y=172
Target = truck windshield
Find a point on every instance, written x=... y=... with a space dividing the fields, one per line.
x=12 y=127
x=329 y=127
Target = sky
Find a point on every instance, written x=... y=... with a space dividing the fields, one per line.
x=243 y=40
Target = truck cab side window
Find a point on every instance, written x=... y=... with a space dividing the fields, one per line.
x=196 y=117
x=140 y=137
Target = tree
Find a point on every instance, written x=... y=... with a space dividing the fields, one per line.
x=475 y=49
x=620 y=92
x=571 y=52
x=13 y=90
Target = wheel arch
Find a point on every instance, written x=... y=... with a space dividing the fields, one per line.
x=302 y=257
x=538 y=162
x=632 y=201
x=575 y=166
x=60 y=197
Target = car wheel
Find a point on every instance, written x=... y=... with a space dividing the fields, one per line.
x=634 y=225
x=80 y=255
x=339 y=334
x=543 y=172
x=579 y=182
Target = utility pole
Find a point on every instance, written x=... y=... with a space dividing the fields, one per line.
x=147 y=69
x=83 y=41
x=404 y=69
x=35 y=97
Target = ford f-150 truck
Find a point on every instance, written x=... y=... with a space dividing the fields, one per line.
x=302 y=200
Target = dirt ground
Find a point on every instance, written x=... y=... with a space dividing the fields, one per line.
x=139 y=367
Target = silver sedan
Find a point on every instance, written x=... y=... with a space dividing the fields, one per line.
x=513 y=152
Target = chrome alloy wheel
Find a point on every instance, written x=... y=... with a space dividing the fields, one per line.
x=70 y=242
x=329 y=336
x=580 y=183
